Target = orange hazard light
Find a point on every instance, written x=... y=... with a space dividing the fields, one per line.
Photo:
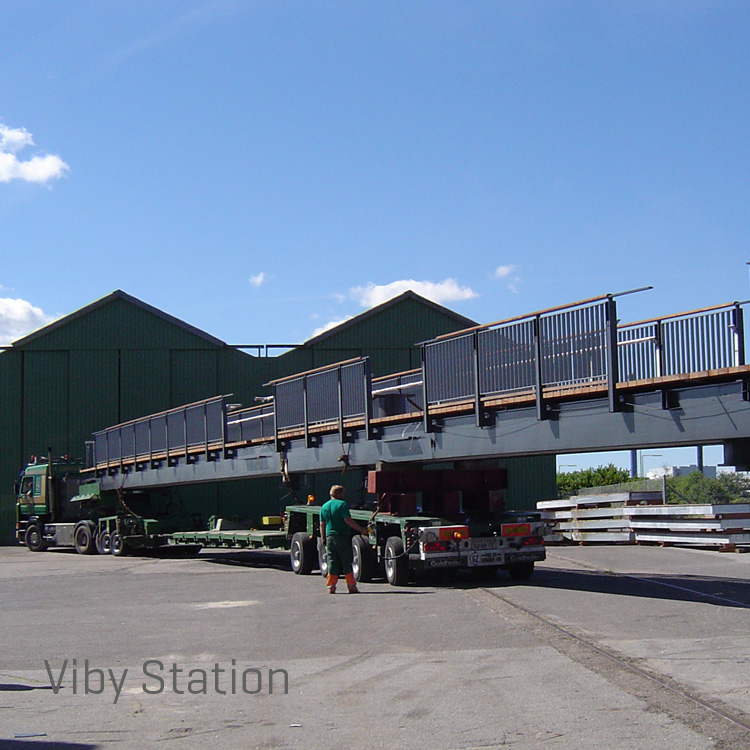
x=516 y=529
x=453 y=532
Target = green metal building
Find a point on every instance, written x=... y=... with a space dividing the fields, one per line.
x=120 y=358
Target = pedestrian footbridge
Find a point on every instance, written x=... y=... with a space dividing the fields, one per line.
x=565 y=380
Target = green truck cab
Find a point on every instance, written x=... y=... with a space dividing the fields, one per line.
x=57 y=507
x=54 y=507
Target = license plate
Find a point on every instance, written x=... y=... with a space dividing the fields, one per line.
x=489 y=543
x=485 y=558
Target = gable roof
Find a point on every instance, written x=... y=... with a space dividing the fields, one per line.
x=462 y=321
x=118 y=294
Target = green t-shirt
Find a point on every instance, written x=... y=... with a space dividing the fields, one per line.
x=333 y=514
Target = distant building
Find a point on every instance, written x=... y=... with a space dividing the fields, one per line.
x=681 y=471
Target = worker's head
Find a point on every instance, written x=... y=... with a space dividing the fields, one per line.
x=337 y=492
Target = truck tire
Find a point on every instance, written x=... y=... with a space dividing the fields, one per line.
x=322 y=557
x=83 y=539
x=521 y=571
x=363 y=559
x=34 y=538
x=396 y=563
x=302 y=554
x=117 y=545
x=103 y=543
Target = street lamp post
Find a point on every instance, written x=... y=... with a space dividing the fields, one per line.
x=645 y=455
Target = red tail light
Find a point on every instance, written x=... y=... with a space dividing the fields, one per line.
x=534 y=541
x=435 y=546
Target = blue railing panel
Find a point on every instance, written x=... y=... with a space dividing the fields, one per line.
x=574 y=346
x=449 y=369
x=322 y=396
x=680 y=345
x=289 y=401
x=507 y=355
x=353 y=390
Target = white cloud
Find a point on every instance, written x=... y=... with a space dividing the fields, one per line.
x=371 y=295
x=502 y=272
x=508 y=274
x=329 y=325
x=259 y=278
x=19 y=318
x=35 y=169
x=442 y=291
x=14 y=139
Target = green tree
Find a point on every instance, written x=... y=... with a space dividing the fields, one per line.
x=697 y=488
x=569 y=482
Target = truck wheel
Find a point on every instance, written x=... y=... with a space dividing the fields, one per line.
x=34 y=539
x=83 y=539
x=117 y=545
x=363 y=559
x=322 y=558
x=521 y=571
x=103 y=543
x=302 y=554
x=396 y=563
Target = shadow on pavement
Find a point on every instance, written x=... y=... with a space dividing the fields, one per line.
x=249 y=559
x=722 y=592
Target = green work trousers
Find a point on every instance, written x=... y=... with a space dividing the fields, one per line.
x=339 y=551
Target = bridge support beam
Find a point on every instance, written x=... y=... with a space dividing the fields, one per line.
x=737 y=453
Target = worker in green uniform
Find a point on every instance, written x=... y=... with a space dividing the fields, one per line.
x=335 y=522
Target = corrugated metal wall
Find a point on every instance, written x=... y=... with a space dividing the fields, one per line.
x=114 y=363
x=530 y=479
x=11 y=455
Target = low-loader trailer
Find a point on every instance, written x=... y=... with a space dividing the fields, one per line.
x=420 y=522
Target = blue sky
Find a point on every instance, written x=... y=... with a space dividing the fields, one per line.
x=263 y=168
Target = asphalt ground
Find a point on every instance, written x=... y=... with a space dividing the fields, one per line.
x=623 y=647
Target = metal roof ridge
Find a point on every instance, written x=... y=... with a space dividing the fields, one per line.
x=107 y=299
x=408 y=294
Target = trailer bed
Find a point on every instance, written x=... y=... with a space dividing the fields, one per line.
x=243 y=538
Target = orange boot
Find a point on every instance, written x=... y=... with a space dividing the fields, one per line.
x=331 y=582
x=351 y=583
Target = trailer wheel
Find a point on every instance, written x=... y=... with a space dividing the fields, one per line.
x=83 y=539
x=363 y=559
x=103 y=543
x=302 y=554
x=322 y=557
x=117 y=545
x=34 y=538
x=396 y=564
x=521 y=571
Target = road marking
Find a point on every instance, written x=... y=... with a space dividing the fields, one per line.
x=225 y=605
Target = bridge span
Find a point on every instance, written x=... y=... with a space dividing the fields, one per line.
x=570 y=379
